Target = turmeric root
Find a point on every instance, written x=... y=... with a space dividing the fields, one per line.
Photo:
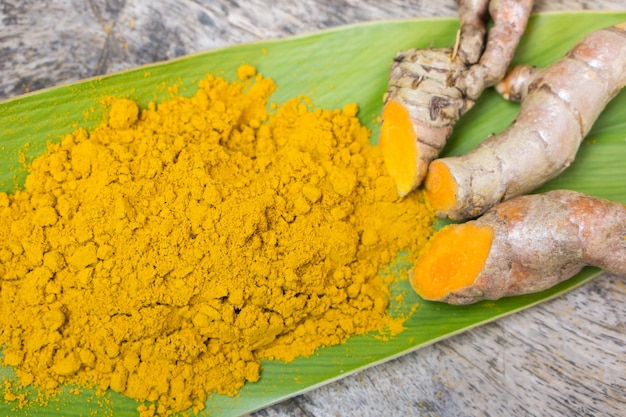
x=524 y=245
x=421 y=108
x=430 y=89
x=559 y=105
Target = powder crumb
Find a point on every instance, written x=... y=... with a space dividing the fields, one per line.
x=246 y=71
x=351 y=109
x=123 y=114
x=168 y=251
x=4 y=199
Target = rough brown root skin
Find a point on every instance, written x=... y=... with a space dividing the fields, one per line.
x=473 y=15
x=538 y=241
x=559 y=106
x=422 y=83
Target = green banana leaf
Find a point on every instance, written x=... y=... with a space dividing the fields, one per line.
x=334 y=67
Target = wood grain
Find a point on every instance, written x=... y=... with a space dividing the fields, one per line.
x=565 y=357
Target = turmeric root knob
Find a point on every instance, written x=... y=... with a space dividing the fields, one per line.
x=524 y=245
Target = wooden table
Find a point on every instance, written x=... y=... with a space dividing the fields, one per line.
x=565 y=357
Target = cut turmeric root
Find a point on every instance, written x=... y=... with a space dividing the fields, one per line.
x=455 y=257
x=524 y=245
x=420 y=111
x=430 y=89
x=559 y=106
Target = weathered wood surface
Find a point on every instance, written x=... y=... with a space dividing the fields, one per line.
x=565 y=357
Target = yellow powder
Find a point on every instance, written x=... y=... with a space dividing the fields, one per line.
x=246 y=71
x=168 y=251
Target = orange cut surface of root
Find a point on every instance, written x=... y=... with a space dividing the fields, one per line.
x=452 y=260
x=398 y=145
x=441 y=187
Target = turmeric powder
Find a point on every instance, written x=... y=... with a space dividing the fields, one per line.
x=167 y=252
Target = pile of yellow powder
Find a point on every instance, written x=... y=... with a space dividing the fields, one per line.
x=166 y=252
